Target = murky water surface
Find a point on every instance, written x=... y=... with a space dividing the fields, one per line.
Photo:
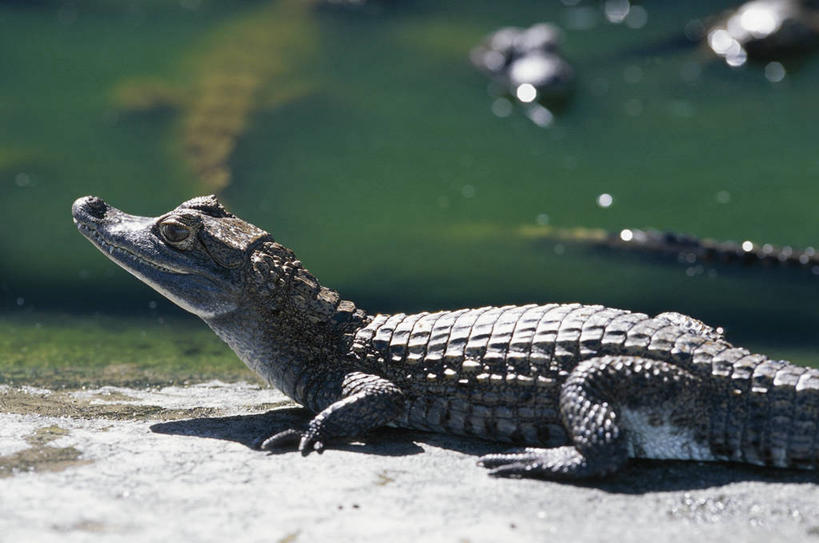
x=365 y=140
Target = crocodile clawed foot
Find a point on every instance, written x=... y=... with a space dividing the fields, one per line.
x=307 y=441
x=514 y=456
x=516 y=463
x=556 y=463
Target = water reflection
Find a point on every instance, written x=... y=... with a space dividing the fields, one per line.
x=502 y=107
x=775 y=72
x=241 y=72
x=605 y=200
x=526 y=93
x=623 y=12
x=146 y=96
x=539 y=115
x=616 y=10
x=22 y=179
x=525 y=65
x=764 y=29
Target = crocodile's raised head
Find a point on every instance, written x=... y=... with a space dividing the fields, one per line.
x=195 y=255
x=249 y=289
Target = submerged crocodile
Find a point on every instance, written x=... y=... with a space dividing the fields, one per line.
x=686 y=248
x=583 y=387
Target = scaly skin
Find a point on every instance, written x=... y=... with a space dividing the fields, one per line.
x=585 y=387
x=691 y=249
x=687 y=248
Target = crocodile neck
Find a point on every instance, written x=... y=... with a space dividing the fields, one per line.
x=288 y=328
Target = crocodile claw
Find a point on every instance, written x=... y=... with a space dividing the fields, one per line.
x=310 y=443
x=557 y=463
x=515 y=470
x=307 y=441
x=514 y=456
x=280 y=440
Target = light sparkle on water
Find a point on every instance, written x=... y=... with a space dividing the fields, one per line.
x=775 y=72
x=616 y=11
x=605 y=200
x=502 y=107
x=526 y=93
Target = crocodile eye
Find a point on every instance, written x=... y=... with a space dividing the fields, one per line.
x=174 y=232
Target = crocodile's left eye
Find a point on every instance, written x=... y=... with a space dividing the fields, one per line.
x=174 y=231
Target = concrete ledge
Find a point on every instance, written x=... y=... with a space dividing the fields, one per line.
x=120 y=464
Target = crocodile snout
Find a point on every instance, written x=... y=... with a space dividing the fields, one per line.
x=89 y=207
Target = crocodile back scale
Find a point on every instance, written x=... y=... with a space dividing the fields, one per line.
x=581 y=388
x=496 y=372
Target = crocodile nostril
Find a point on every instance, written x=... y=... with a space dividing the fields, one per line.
x=96 y=207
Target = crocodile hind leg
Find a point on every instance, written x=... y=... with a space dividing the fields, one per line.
x=613 y=408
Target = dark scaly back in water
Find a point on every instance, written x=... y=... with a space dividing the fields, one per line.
x=686 y=248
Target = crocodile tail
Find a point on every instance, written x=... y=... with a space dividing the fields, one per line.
x=768 y=414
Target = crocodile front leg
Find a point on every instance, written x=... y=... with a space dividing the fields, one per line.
x=366 y=402
x=616 y=407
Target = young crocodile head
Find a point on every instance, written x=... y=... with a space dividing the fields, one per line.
x=195 y=255
x=250 y=290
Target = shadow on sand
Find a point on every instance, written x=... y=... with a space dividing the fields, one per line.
x=638 y=477
x=247 y=429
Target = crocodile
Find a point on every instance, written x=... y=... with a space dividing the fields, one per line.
x=577 y=389
x=686 y=248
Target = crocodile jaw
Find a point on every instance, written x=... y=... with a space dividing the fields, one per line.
x=130 y=242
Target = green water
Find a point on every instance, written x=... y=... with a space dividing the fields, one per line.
x=372 y=151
